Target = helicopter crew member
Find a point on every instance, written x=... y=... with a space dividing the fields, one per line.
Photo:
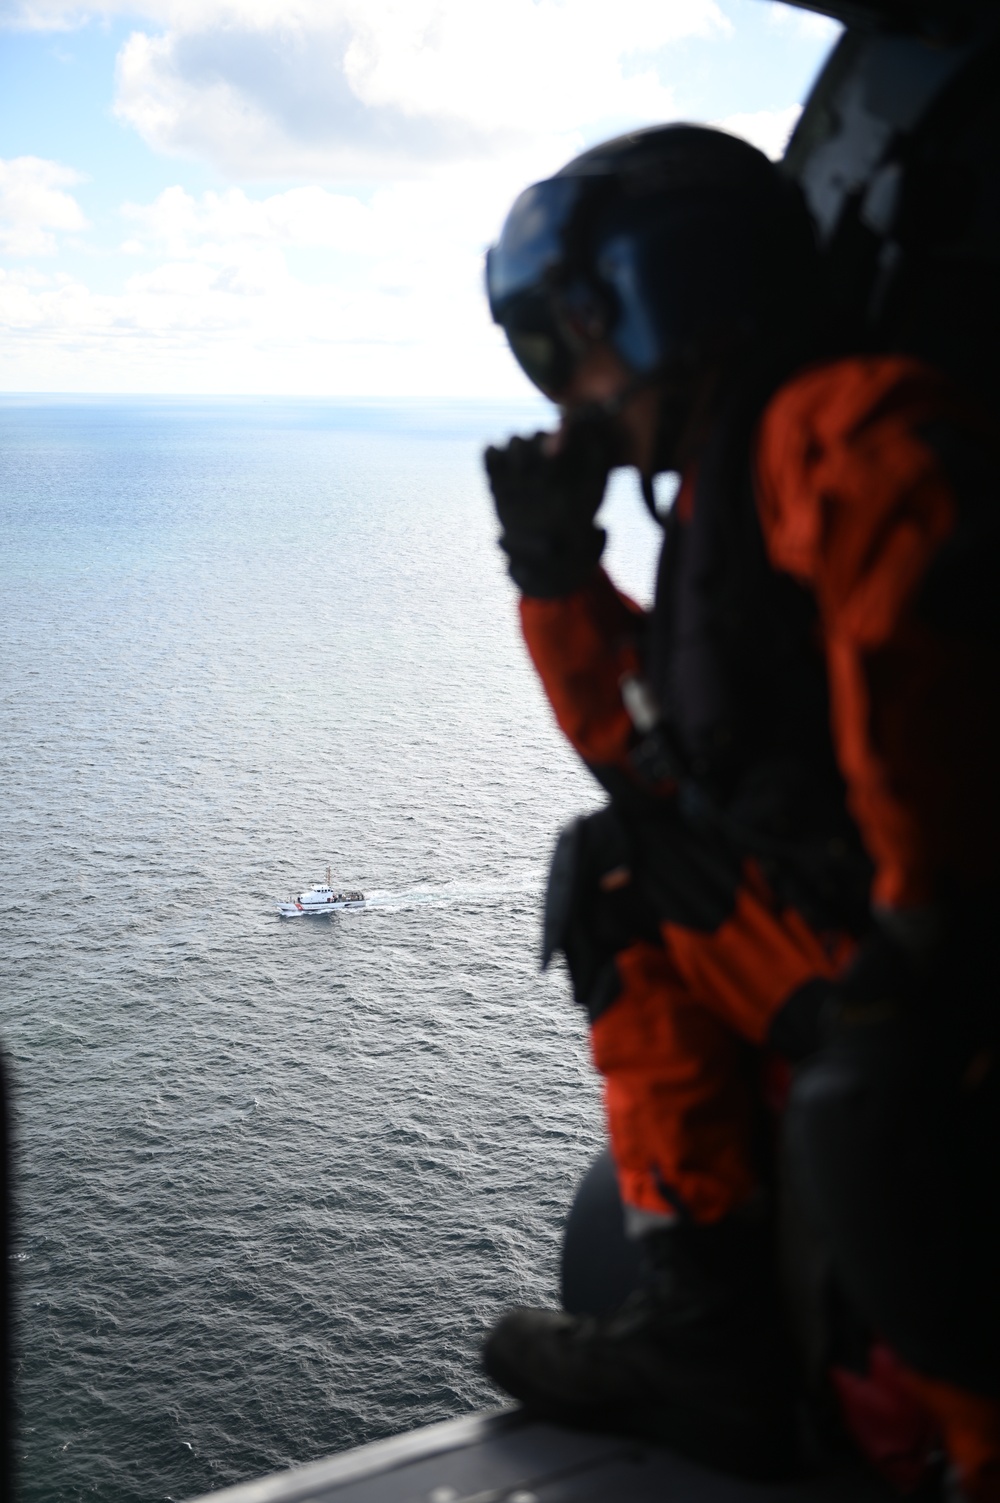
x=800 y=851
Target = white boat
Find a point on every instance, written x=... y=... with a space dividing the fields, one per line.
x=321 y=900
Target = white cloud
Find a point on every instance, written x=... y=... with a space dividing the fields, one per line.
x=216 y=302
x=360 y=88
x=68 y=15
x=767 y=129
x=414 y=124
x=805 y=23
x=306 y=218
x=176 y=331
x=33 y=203
x=309 y=290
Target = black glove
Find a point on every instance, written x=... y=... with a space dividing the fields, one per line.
x=547 y=503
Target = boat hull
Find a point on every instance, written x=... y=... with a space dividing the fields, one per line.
x=299 y=910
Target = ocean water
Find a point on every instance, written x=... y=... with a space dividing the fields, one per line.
x=274 y=1178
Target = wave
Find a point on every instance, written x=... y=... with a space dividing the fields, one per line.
x=445 y=895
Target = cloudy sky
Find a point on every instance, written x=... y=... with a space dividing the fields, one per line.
x=294 y=196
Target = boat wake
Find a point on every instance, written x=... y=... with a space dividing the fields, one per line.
x=456 y=894
x=445 y=895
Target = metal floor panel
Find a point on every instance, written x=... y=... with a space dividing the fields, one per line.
x=504 y=1457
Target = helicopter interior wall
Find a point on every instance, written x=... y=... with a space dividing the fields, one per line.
x=935 y=19
x=898 y=154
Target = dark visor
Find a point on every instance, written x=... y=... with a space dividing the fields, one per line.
x=533 y=240
x=520 y=273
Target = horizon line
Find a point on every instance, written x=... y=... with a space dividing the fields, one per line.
x=250 y=396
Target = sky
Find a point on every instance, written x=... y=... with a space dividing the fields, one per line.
x=293 y=197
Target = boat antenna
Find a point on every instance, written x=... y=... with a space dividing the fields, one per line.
x=329 y=878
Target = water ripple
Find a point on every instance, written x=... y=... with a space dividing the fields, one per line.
x=274 y=1177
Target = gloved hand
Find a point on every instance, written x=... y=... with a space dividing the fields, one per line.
x=547 y=503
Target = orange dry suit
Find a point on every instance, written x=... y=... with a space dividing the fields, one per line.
x=825 y=739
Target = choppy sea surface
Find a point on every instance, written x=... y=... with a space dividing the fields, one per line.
x=274 y=1178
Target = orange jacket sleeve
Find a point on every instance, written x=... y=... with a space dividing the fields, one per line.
x=856 y=503
x=582 y=646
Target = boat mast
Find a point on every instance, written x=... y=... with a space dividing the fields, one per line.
x=329 y=878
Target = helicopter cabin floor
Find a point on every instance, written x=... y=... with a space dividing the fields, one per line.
x=504 y=1456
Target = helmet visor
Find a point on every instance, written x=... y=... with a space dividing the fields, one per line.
x=533 y=243
x=522 y=273
x=538 y=342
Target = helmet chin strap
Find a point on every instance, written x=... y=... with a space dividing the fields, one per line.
x=671 y=420
x=649 y=497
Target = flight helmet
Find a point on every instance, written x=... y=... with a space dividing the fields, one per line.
x=673 y=245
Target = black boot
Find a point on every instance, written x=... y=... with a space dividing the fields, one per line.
x=695 y=1359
